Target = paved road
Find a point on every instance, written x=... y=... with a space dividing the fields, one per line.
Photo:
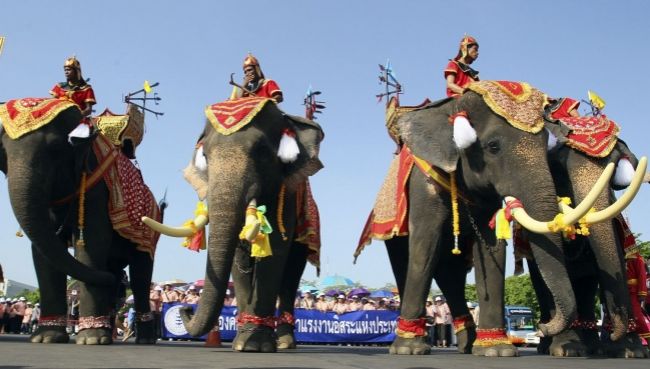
x=17 y=352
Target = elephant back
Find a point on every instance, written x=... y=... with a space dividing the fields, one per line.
x=21 y=116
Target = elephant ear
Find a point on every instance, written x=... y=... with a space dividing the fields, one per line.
x=429 y=135
x=309 y=135
x=196 y=173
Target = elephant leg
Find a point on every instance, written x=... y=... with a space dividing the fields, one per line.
x=489 y=264
x=52 y=286
x=140 y=271
x=428 y=216
x=293 y=270
x=398 y=254
x=451 y=276
x=257 y=283
x=545 y=301
x=96 y=302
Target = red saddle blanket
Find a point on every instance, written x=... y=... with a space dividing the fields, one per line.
x=230 y=116
x=129 y=198
x=595 y=136
x=21 y=116
x=308 y=224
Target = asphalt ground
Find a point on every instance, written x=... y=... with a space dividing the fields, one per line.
x=17 y=352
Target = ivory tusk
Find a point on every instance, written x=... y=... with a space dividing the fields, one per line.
x=185 y=231
x=619 y=205
x=573 y=215
x=646 y=178
x=526 y=221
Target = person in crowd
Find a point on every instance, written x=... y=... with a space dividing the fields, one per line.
x=442 y=315
x=129 y=323
x=355 y=304
x=322 y=304
x=75 y=88
x=36 y=315
x=473 y=310
x=256 y=84
x=429 y=310
x=458 y=73
x=308 y=301
x=229 y=300
x=155 y=305
x=73 y=310
x=192 y=296
x=169 y=295
x=383 y=304
x=3 y=307
x=368 y=304
x=27 y=319
x=19 y=307
x=340 y=306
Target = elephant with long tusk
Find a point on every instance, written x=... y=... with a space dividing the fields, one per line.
x=595 y=257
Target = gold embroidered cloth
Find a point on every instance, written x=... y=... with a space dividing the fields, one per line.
x=129 y=198
x=517 y=102
x=393 y=112
x=22 y=116
x=230 y=116
x=308 y=223
x=594 y=136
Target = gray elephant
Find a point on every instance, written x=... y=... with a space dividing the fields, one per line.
x=59 y=192
x=494 y=157
x=596 y=261
x=243 y=171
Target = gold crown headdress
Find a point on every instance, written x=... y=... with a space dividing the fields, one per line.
x=465 y=43
x=73 y=62
x=250 y=60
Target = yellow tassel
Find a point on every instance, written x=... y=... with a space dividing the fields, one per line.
x=256 y=230
x=502 y=226
x=82 y=200
x=454 y=213
x=261 y=247
x=19 y=233
x=200 y=209
x=280 y=213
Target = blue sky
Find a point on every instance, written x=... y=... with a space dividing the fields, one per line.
x=561 y=47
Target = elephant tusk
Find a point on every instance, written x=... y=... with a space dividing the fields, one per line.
x=572 y=215
x=185 y=231
x=646 y=178
x=619 y=205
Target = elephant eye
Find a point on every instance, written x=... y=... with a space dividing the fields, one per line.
x=493 y=146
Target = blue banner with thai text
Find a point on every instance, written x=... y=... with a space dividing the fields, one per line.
x=311 y=326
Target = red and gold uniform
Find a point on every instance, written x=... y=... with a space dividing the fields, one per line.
x=80 y=95
x=266 y=88
x=464 y=74
x=636 y=278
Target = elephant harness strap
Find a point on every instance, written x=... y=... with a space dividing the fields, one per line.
x=245 y=318
x=411 y=328
x=491 y=337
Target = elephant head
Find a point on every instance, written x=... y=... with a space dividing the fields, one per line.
x=43 y=166
x=492 y=160
x=240 y=169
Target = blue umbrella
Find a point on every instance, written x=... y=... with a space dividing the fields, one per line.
x=381 y=294
x=333 y=293
x=308 y=288
x=336 y=280
x=360 y=292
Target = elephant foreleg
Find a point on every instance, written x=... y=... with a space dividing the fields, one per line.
x=54 y=309
x=140 y=271
x=398 y=254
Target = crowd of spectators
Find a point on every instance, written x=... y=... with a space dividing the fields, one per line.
x=18 y=316
x=341 y=303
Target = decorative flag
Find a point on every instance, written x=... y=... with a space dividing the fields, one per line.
x=147 y=87
x=2 y=43
x=596 y=100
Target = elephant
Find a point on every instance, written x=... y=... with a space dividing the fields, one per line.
x=497 y=160
x=594 y=261
x=44 y=170
x=242 y=171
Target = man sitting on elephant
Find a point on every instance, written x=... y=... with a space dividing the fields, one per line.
x=458 y=73
x=255 y=84
x=75 y=88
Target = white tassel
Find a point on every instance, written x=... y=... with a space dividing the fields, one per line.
x=81 y=131
x=624 y=173
x=552 y=140
x=288 y=150
x=199 y=160
x=464 y=134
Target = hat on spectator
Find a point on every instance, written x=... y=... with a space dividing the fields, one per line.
x=355 y=296
x=321 y=294
x=438 y=298
x=157 y=288
x=429 y=299
x=201 y=291
x=2 y=299
x=37 y=304
x=470 y=305
x=73 y=292
x=341 y=297
x=22 y=298
x=228 y=291
x=192 y=287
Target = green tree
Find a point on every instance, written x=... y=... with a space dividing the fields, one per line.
x=518 y=291
x=644 y=246
x=31 y=296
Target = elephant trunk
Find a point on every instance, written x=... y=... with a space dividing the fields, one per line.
x=227 y=199
x=548 y=255
x=30 y=201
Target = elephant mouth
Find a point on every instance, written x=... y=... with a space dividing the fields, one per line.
x=564 y=218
